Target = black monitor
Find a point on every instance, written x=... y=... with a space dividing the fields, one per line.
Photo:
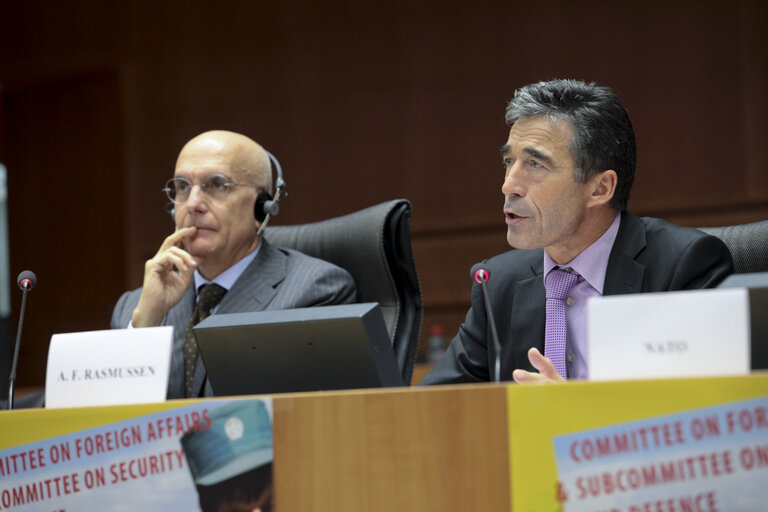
x=307 y=349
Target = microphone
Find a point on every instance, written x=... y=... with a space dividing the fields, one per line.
x=26 y=281
x=481 y=276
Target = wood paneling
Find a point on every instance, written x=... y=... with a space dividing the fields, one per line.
x=393 y=450
x=65 y=197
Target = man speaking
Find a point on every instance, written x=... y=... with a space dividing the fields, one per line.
x=569 y=163
x=215 y=261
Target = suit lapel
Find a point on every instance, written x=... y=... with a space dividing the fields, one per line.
x=624 y=273
x=527 y=317
x=179 y=317
x=257 y=285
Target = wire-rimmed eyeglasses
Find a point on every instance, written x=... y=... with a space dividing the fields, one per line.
x=215 y=186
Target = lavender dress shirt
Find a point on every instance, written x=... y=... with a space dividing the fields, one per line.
x=591 y=264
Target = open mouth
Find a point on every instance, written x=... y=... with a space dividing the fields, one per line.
x=513 y=218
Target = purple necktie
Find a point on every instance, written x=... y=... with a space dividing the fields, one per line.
x=558 y=284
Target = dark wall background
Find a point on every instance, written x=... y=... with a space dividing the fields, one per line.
x=362 y=102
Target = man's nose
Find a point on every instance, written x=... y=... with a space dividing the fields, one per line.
x=514 y=183
x=196 y=197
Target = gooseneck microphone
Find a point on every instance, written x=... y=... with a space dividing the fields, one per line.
x=481 y=275
x=26 y=281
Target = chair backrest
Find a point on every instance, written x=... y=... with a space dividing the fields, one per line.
x=374 y=246
x=748 y=244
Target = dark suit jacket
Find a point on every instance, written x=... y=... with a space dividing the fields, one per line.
x=649 y=255
x=276 y=279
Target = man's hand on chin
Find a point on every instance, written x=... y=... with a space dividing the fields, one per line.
x=547 y=372
x=166 y=278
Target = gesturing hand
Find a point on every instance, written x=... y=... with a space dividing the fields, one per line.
x=547 y=372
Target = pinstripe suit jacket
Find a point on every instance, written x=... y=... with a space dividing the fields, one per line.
x=277 y=278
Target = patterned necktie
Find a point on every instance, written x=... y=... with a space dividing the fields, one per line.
x=210 y=295
x=558 y=284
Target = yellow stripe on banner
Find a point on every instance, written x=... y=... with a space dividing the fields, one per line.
x=538 y=413
x=22 y=426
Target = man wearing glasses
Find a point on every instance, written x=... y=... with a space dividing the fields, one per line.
x=216 y=261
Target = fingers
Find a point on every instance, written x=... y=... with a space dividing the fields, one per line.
x=543 y=364
x=547 y=372
x=178 y=258
x=169 y=262
x=525 y=377
x=176 y=238
x=166 y=278
x=170 y=271
x=171 y=254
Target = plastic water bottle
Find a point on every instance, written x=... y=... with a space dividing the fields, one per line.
x=435 y=343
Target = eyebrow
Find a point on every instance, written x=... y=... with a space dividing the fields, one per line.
x=535 y=153
x=223 y=175
x=531 y=151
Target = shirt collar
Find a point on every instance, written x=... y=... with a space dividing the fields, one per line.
x=227 y=278
x=592 y=262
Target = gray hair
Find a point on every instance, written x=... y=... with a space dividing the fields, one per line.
x=602 y=132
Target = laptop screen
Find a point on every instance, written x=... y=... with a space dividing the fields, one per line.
x=307 y=349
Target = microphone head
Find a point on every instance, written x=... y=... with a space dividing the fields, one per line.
x=479 y=273
x=272 y=207
x=26 y=280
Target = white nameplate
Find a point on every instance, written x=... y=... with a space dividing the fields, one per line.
x=118 y=366
x=669 y=334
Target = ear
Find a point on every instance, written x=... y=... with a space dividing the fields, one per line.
x=603 y=187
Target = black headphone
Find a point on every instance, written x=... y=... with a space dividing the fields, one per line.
x=266 y=207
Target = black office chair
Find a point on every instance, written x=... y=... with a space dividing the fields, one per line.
x=374 y=245
x=748 y=244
